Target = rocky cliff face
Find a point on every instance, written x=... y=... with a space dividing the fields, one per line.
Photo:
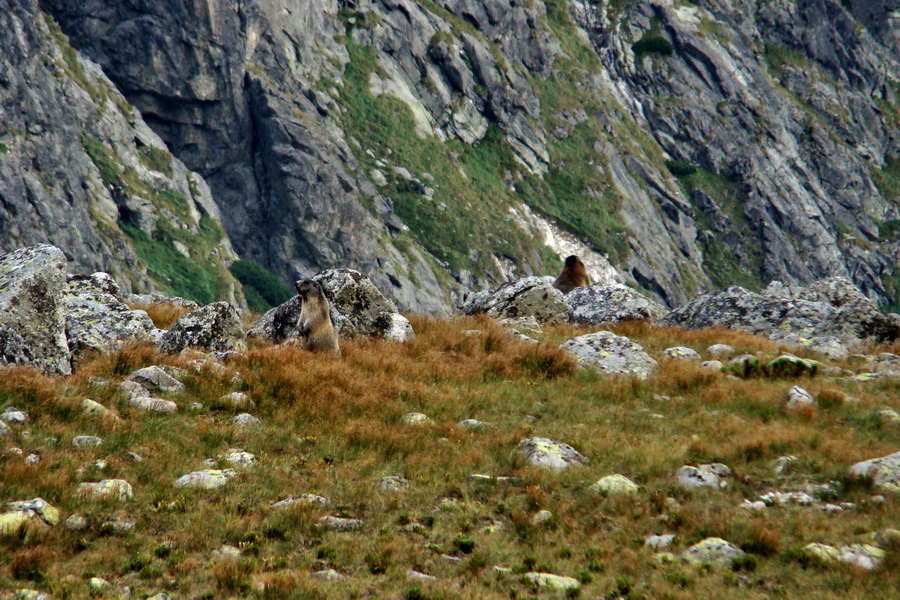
x=428 y=144
x=81 y=169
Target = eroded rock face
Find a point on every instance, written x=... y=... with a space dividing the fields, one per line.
x=550 y=454
x=813 y=316
x=359 y=308
x=32 y=312
x=611 y=353
x=527 y=297
x=216 y=327
x=280 y=323
x=712 y=552
x=611 y=303
x=96 y=319
x=883 y=472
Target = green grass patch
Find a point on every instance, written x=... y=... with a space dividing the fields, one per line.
x=653 y=42
x=887 y=180
x=156 y=159
x=263 y=290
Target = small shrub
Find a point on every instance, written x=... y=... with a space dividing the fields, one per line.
x=680 y=169
x=265 y=285
x=653 y=45
x=464 y=545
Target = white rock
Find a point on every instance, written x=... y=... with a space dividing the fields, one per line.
x=658 y=542
x=710 y=475
x=87 y=441
x=15 y=415
x=796 y=398
x=473 y=424
x=328 y=575
x=551 y=581
x=415 y=418
x=681 y=353
x=417 y=576
x=394 y=483
x=153 y=404
x=341 y=524
x=550 y=454
x=245 y=420
x=303 y=499
x=118 y=489
x=712 y=551
x=720 y=350
x=210 y=479
x=542 y=517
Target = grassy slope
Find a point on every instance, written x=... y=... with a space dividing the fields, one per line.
x=333 y=427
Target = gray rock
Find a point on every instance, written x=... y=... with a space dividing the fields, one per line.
x=394 y=483
x=359 y=308
x=474 y=425
x=11 y=414
x=418 y=576
x=611 y=353
x=550 y=454
x=227 y=551
x=76 y=523
x=92 y=408
x=280 y=323
x=552 y=582
x=310 y=499
x=117 y=489
x=883 y=472
x=341 y=524
x=658 y=542
x=153 y=404
x=528 y=297
x=33 y=459
x=720 y=350
x=36 y=508
x=783 y=464
x=156 y=379
x=709 y=475
x=712 y=551
x=215 y=327
x=610 y=303
x=239 y=457
x=415 y=418
x=97 y=321
x=210 y=479
x=682 y=353
x=712 y=365
x=237 y=400
x=245 y=420
x=542 y=516
x=614 y=485
x=327 y=575
x=5 y=429
x=87 y=441
x=860 y=555
x=32 y=312
x=796 y=398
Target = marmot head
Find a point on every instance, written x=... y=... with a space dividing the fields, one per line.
x=308 y=288
x=573 y=260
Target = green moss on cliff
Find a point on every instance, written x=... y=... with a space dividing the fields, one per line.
x=262 y=289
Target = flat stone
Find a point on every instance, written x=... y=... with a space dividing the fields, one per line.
x=209 y=479
x=310 y=499
x=418 y=576
x=720 y=350
x=658 y=542
x=118 y=489
x=327 y=575
x=547 y=453
x=552 y=582
x=473 y=424
x=681 y=353
x=227 y=551
x=341 y=524
x=87 y=441
x=157 y=405
x=237 y=400
x=239 y=457
x=611 y=353
x=154 y=378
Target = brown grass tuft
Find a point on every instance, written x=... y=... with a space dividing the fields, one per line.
x=163 y=314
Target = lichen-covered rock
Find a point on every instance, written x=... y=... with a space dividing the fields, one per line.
x=92 y=408
x=788 y=365
x=415 y=418
x=814 y=317
x=23 y=511
x=552 y=582
x=279 y=323
x=796 y=398
x=394 y=483
x=216 y=327
x=712 y=551
x=209 y=479
x=474 y=425
x=860 y=555
x=153 y=404
x=245 y=420
x=118 y=489
x=153 y=300
x=153 y=378
x=720 y=350
x=97 y=321
x=87 y=441
x=359 y=308
x=239 y=457
x=310 y=499
x=658 y=542
x=610 y=303
x=32 y=311
x=611 y=353
x=709 y=475
x=613 y=485
x=681 y=353
x=884 y=472
x=527 y=297
x=543 y=452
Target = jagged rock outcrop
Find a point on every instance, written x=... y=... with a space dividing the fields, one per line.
x=598 y=303
x=611 y=353
x=527 y=297
x=216 y=327
x=813 y=317
x=80 y=169
x=32 y=310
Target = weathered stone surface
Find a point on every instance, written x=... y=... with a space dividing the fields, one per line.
x=551 y=581
x=341 y=524
x=415 y=418
x=658 y=542
x=474 y=425
x=884 y=472
x=20 y=512
x=311 y=499
x=547 y=453
x=327 y=575
x=394 y=483
x=828 y=310
x=610 y=303
x=12 y=414
x=280 y=323
x=720 y=350
x=215 y=327
x=681 y=353
x=245 y=420
x=117 y=489
x=153 y=404
x=528 y=297
x=359 y=308
x=611 y=353
x=87 y=441
x=155 y=379
x=796 y=398
x=93 y=408
x=97 y=321
x=712 y=551
x=32 y=312
x=861 y=555
x=613 y=485
x=710 y=475
x=210 y=479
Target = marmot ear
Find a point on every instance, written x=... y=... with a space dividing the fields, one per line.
x=297 y=285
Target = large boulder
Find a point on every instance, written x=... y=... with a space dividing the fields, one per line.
x=358 y=308
x=216 y=327
x=527 y=297
x=96 y=319
x=827 y=316
x=279 y=323
x=611 y=353
x=32 y=312
x=883 y=472
x=610 y=303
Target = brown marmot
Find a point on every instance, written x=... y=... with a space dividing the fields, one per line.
x=573 y=275
x=315 y=325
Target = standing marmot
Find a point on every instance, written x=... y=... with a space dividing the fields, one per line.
x=573 y=275
x=316 y=329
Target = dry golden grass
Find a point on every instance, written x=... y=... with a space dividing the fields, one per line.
x=163 y=314
x=333 y=426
